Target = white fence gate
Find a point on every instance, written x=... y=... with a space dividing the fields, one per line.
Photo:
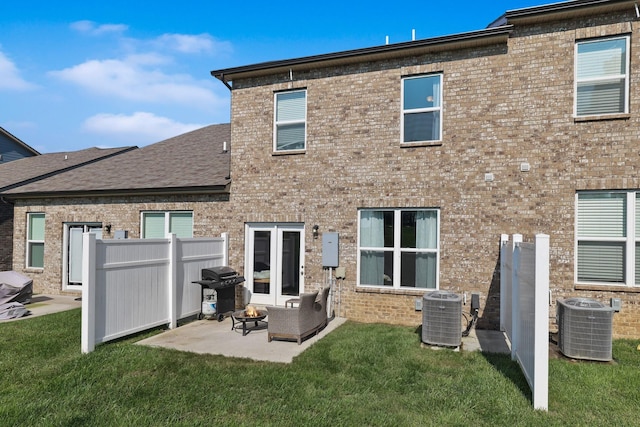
x=131 y=285
x=524 y=309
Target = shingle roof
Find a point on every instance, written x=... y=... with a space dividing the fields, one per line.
x=30 y=169
x=472 y=39
x=567 y=10
x=497 y=32
x=192 y=162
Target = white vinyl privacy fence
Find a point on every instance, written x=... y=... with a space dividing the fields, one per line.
x=524 y=309
x=131 y=285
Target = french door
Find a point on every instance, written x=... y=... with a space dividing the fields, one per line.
x=274 y=254
x=72 y=253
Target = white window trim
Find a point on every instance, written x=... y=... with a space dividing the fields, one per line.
x=29 y=241
x=630 y=240
x=277 y=123
x=403 y=112
x=625 y=76
x=397 y=250
x=166 y=220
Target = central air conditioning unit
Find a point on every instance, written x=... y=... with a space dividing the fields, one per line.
x=441 y=319
x=585 y=329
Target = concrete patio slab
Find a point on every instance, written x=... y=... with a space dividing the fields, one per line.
x=213 y=337
x=47 y=304
x=486 y=341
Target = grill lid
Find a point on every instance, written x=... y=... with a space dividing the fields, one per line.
x=218 y=274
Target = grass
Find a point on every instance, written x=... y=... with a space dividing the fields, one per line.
x=359 y=375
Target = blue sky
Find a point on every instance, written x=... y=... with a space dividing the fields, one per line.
x=79 y=74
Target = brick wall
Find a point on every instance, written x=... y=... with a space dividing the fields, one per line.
x=503 y=105
x=6 y=236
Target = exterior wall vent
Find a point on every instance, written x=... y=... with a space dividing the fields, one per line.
x=441 y=319
x=585 y=329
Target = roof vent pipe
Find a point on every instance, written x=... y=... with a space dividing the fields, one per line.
x=413 y=35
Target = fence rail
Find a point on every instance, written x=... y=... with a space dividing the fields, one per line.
x=131 y=285
x=524 y=309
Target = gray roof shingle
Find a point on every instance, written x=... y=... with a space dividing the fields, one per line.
x=191 y=162
x=30 y=169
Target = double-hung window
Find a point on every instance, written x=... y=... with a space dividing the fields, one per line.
x=157 y=225
x=608 y=238
x=290 y=124
x=398 y=248
x=422 y=108
x=602 y=76
x=35 y=240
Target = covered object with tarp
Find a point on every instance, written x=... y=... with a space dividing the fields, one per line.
x=15 y=287
x=15 y=290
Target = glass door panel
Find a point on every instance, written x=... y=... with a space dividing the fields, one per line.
x=291 y=270
x=275 y=262
x=261 y=262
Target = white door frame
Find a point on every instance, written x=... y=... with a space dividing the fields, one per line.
x=94 y=227
x=275 y=295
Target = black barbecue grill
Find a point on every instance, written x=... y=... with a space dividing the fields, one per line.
x=223 y=280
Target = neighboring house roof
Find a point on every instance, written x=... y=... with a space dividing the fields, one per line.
x=21 y=150
x=30 y=169
x=194 y=163
x=497 y=31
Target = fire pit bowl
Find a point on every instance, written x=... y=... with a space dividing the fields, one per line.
x=248 y=315
x=241 y=315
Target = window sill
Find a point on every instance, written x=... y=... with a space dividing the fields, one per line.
x=287 y=153
x=392 y=291
x=607 y=288
x=624 y=116
x=36 y=270
x=420 y=144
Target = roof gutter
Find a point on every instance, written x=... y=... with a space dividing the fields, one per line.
x=461 y=40
x=571 y=7
x=213 y=189
x=220 y=77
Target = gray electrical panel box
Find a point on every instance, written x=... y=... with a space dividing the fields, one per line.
x=330 y=249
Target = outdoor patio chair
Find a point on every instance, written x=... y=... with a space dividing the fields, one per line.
x=295 y=322
x=322 y=299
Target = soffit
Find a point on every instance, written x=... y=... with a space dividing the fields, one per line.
x=468 y=40
x=567 y=11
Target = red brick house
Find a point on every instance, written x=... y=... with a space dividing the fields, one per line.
x=419 y=155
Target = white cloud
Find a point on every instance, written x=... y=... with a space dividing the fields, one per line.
x=187 y=43
x=10 y=76
x=20 y=125
x=133 y=79
x=90 y=27
x=138 y=126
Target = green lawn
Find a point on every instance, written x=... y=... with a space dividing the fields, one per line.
x=359 y=375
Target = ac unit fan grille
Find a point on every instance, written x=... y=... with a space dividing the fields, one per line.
x=441 y=319
x=585 y=329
